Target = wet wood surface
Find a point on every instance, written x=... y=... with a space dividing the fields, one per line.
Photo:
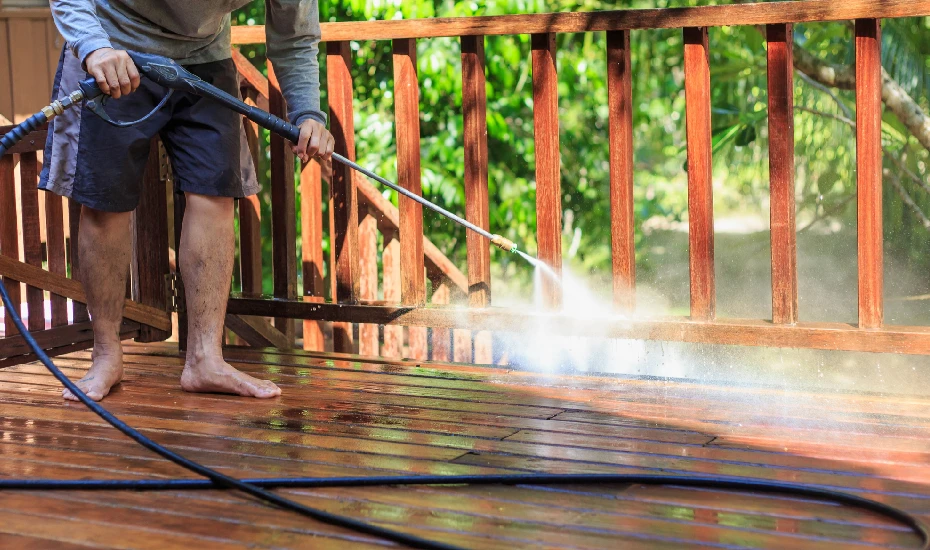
x=343 y=415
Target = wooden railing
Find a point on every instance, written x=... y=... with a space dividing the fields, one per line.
x=405 y=304
x=38 y=243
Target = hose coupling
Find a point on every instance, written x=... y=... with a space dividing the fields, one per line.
x=58 y=107
x=503 y=243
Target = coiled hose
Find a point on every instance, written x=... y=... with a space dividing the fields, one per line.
x=259 y=487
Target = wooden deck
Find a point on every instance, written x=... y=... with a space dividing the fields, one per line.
x=343 y=416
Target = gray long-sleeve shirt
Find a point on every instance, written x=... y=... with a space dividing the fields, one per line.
x=197 y=31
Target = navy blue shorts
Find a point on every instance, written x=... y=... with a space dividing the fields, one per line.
x=101 y=166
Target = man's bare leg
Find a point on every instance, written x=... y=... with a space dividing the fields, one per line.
x=105 y=249
x=206 y=258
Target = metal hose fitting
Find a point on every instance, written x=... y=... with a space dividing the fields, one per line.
x=503 y=243
x=58 y=107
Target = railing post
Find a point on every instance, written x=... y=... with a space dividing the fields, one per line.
x=9 y=238
x=250 y=218
x=781 y=174
x=79 y=310
x=32 y=239
x=150 y=244
x=311 y=247
x=548 y=179
x=869 y=170
x=368 y=278
x=620 y=102
x=390 y=259
x=700 y=182
x=407 y=124
x=283 y=211
x=475 y=130
x=343 y=188
x=55 y=251
x=441 y=338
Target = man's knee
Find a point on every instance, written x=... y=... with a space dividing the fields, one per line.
x=209 y=205
x=111 y=221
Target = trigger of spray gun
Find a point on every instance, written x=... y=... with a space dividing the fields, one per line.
x=503 y=243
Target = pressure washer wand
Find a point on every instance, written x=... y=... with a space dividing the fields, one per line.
x=175 y=77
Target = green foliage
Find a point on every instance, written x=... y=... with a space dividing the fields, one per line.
x=825 y=144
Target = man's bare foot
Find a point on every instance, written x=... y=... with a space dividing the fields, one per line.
x=216 y=376
x=105 y=372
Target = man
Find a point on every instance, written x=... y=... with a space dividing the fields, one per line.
x=101 y=166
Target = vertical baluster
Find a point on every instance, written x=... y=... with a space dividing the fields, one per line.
x=548 y=181
x=79 y=310
x=475 y=131
x=368 y=277
x=32 y=240
x=390 y=259
x=441 y=337
x=250 y=217
x=9 y=238
x=869 y=170
x=55 y=249
x=283 y=210
x=700 y=183
x=179 y=206
x=343 y=188
x=620 y=102
x=150 y=244
x=311 y=247
x=407 y=123
x=781 y=173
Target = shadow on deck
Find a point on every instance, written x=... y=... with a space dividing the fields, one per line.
x=341 y=415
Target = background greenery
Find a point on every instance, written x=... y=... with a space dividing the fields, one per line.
x=825 y=139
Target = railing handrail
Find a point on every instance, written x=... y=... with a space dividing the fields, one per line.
x=759 y=13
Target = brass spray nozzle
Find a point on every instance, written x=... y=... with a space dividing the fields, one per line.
x=503 y=243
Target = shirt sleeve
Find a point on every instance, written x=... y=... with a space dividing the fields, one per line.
x=292 y=34
x=78 y=24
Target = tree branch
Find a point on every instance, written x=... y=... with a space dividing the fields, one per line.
x=896 y=183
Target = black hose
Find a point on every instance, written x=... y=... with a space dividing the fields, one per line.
x=257 y=487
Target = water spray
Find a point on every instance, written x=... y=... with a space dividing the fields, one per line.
x=174 y=77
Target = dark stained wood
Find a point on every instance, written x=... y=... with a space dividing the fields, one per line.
x=700 y=180
x=741 y=332
x=368 y=278
x=9 y=238
x=390 y=260
x=43 y=280
x=869 y=171
x=150 y=266
x=620 y=103
x=343 y=190
x=407 y=124
x=54 y=338
x=415 y=417
x=55 y=250
x=475 y=135
x=34 y=141
x=250 y=73
x=441 y=338
x=311 y=247
x=283 y=210
x=179 y=206
x=256 y=332
x=781 y=173
x=548 y=178
x=31 y=232
x=79 y=311
x=759 y=13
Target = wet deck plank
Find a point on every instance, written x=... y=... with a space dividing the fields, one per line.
x=342 y=415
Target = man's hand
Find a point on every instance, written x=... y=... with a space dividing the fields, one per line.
x=315 y=141
x=114 y=70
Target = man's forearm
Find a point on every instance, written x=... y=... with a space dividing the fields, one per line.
x=78 y=24
x=292 y=30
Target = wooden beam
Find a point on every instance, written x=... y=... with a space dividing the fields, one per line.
x=31 y=234
x=368 y=279
x=56 y=341
x=760 y=13
x=34 y=141
x=548 y=166
x=248 y=71
x=740 y=332
x=700 y=180
x=257 y=332
x=69 y=288
x=311 y=246
x=869 y=171
x=78 y=310
x=781 y=174
x=55 y=250
x=622 y=222
x=9 y=233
